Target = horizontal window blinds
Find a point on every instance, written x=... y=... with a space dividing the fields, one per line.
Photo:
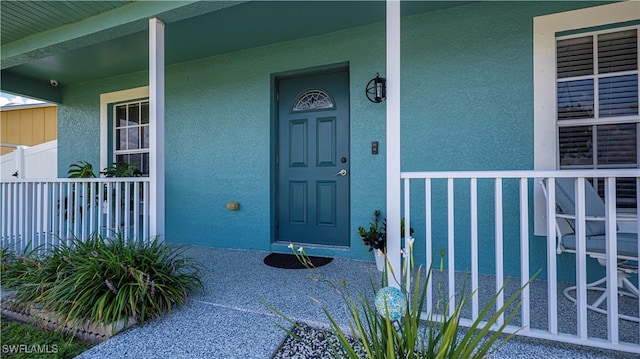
x=575 y=57
x=575 y=99
x=597 y=104
x=618 y=96
x=617 y=144
x=618 y=51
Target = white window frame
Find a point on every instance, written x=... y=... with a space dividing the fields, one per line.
x=110 y=98
x=545 y=132
x=140 y=126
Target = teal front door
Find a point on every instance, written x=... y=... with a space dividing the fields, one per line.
x=313 y=159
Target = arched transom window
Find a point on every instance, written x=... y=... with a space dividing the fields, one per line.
x=313 y=100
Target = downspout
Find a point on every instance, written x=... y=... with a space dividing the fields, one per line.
x=156 y=128
x=393 y=143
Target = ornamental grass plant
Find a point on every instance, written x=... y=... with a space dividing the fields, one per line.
x=102 y=280
x=377 y=330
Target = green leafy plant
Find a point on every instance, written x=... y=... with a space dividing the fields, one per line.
x=378 y=334
x=376 y=236
x=81 y=169
x=104 y=280
x=122 y=169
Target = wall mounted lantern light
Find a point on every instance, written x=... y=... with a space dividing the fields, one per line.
x=376 y=89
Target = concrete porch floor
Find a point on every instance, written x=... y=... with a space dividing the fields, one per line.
x=230 y=320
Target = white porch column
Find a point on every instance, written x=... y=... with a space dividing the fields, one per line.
x=156 y=127
x=393 y=141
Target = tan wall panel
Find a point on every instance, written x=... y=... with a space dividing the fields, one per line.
x=38 y=125
x=50 y=123
x=28 y=126
x=13 y=133
x=4 y=126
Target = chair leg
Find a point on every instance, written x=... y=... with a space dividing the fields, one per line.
x=626 y=289
x=626 y=283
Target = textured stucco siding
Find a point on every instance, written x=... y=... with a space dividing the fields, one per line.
x=467 y=104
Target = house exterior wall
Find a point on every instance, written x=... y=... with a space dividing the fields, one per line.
x=28 y=126
x=467 y=104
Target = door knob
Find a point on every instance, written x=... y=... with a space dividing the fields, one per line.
x=341 y=173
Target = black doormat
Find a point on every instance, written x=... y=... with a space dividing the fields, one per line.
x=289 y=261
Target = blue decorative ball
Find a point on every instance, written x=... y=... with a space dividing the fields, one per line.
x=396 y=302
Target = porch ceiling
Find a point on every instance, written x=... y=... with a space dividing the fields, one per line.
x=77 y=41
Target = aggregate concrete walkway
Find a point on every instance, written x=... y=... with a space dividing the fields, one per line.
x=230 y=319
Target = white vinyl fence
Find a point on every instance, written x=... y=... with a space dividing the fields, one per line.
x=40 y=161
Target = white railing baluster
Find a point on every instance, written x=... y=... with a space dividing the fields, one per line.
x=118 y=206
x=20 y=215
x=450 y=247
x=524 y=253
x=59 y=203
x=84 y=195
x=145 y=225
x=61 y=210
x=109 y=203
x=499 y=247
x=6 y=214
x=611 y=253
x=16 y=215
x=68 y=211
x=101 y=210
x=429 y=239
x=77 y=216
x=27 y=214
x=407 y=235
x=552 y=281
x=136 y=211
x=127 y=209
x=638 y=231
x=474 y=247
x=4 y=221
x=40 y=230
x=581 y=258
x=92 y=208
x=46 y=207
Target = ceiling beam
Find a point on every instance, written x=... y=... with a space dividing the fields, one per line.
x=29 y=87
x=118 y=22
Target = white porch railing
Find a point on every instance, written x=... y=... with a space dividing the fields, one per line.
x=453 y=199
x=42 y=213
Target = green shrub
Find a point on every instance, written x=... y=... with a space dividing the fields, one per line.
x=103 y=279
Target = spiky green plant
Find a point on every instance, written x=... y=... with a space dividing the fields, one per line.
x=410 y=337
x=105 y=280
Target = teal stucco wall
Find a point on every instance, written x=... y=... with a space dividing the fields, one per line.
x=467 y=104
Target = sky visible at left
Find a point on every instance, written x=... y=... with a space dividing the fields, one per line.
x=7 y=99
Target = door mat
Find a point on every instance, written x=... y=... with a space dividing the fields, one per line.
x=289 y=261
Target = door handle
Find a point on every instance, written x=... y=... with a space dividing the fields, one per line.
x=341 y=173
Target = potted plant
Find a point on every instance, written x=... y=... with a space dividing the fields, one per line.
x=376 y=237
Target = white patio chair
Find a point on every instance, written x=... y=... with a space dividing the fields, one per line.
x=627 y=243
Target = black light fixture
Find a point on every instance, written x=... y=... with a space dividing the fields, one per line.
x=376 y=90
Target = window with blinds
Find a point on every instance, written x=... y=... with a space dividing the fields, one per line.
x=597 y=104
